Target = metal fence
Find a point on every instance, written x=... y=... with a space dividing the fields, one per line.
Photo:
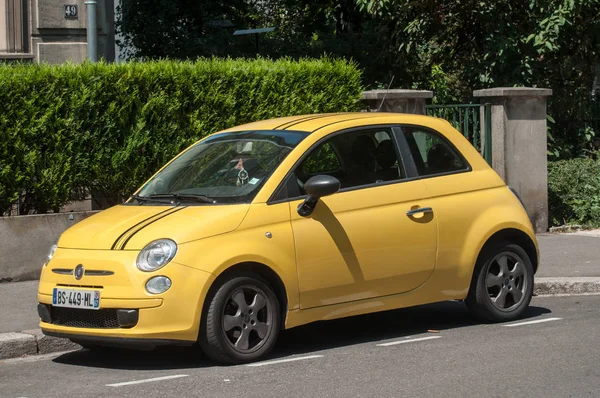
x=472 y=120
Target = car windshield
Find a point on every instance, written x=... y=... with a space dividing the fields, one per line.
x=225 y=168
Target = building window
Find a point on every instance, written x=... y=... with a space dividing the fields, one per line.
x=13 y=26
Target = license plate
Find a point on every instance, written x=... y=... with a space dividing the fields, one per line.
x=75 y=298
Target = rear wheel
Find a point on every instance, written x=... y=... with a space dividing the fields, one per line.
x=241 y=322
x=502 y=284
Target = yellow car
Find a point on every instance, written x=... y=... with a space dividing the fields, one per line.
x=279 y=223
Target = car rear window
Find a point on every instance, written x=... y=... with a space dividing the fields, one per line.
x=432 y=153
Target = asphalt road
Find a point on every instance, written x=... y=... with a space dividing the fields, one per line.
x=436 y=350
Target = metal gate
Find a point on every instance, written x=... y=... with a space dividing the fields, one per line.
x=474 y=121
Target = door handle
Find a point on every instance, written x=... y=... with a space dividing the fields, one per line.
x=419 y=210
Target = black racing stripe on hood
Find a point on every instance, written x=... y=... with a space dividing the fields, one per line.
x=151 y=222
x=114 y=246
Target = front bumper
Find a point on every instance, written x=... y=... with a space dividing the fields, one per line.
x=117 y=341
x=110 y=318
x=127 y=311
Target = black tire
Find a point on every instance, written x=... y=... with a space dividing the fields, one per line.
x=225 y=343
x=491 y=282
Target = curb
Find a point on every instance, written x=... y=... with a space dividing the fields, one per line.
x=33 y=342
x=561 y=286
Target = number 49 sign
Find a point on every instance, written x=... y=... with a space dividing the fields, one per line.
x=71 y=11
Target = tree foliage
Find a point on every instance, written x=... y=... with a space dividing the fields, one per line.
x=574 y=192
x=536 y=43
x=450 y=46
x=500 y=42
x=174 y=28
x=154 y=29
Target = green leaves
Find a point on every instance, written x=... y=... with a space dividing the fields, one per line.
x=502 y=43
x=574 y=191
x=67 y=130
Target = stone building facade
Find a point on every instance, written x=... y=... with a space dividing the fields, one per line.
x=53 y=31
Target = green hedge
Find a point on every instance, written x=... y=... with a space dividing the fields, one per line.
x=574 y=192
x=69 y=129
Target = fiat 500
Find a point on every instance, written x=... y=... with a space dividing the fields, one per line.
x=279 y=223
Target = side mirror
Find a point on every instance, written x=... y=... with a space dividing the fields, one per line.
x=316 y=187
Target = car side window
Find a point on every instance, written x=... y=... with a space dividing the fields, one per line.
x=432 y=153
x=321 y=161
x=359 y=157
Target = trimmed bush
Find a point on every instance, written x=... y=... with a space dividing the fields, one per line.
x=70 y=129
x=574 y=191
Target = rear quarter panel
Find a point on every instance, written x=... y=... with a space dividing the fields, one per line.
x=466 y=221
x=470 y=207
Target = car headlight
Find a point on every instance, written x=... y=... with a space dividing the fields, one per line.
x=156 y=255
x=51 y=253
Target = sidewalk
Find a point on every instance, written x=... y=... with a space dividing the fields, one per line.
x=18 y=309
x=19 y=323
x=570 y=263
x=570 y=255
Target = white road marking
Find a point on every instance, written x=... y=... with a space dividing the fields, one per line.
x=531 y=322
x=129 y=383
x=284 y=360
x=408 y=341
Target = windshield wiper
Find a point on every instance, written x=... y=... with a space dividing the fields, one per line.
x=140 y=198
x=184 y=196
x=145 y=199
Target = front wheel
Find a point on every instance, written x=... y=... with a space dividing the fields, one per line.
x=502 y=284
x=241 y=322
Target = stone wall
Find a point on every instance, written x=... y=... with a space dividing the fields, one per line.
x=397 y=100
x=25 y=241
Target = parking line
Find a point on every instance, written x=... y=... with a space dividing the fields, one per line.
x=284 y=360
x=129 y=383
x=531 y=322
x=408 y=341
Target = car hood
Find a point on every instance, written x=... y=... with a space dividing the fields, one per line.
x=129 y=227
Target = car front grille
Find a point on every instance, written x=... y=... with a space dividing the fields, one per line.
x=81 y=318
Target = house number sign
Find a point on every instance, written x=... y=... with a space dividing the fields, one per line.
x=71 y=11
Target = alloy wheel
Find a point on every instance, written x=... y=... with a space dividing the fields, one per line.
x=247 y=319
x=506 y=281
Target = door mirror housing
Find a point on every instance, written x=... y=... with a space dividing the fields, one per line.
x=316 y=187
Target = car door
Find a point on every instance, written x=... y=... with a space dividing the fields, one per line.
x=373 y=238
x=459 y=195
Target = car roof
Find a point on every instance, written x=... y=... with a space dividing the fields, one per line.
x=311 y=123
